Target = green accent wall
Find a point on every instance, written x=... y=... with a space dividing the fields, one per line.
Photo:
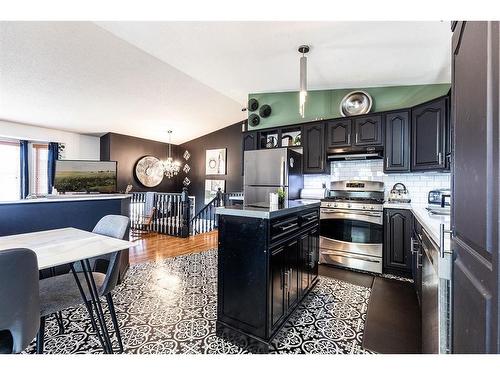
x=324 y=104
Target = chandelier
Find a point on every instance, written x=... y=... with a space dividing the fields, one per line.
x=303 y=79
x=170 y=166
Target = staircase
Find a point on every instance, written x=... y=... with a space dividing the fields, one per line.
x=206 y=219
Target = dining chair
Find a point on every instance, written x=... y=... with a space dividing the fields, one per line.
x=64 y=291
x=20 y=303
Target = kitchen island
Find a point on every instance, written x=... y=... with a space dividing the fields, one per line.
x=267 y=264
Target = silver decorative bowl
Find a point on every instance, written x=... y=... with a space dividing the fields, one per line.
x=356 y=103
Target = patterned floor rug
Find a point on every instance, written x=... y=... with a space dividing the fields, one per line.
x=169 y=307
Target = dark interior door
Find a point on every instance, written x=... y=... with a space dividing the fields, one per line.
x=475 y=209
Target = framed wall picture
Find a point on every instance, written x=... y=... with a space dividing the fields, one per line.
x=215 y=161
x=211 y=187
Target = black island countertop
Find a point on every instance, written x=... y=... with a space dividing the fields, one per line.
x=272 y=212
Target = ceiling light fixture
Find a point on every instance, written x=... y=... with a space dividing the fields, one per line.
x=303 y=79
x=170 y=166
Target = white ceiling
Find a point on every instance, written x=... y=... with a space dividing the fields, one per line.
x=142 y=78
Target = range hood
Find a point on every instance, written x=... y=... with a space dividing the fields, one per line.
x=356 y=153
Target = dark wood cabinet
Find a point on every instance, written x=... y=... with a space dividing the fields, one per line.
x=428 y=141
x=249 y=143
x=277 y=270
x=412 y=139
x=368 y=131
x=265 y=269
x=292 y=269
x=397 y=142
x=309 y=256
x=416 y=259
x=339 y=133
x=355 y=132
x=313 y=140
x=397 y=241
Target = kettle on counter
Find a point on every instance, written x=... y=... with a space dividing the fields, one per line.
x=399 y=193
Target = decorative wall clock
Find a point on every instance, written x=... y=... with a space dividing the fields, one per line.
x=149 y=171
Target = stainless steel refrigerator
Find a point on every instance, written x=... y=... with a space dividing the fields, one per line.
x=266 y=171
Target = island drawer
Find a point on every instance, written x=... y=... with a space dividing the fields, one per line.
x=308 y=218
x=283 y=226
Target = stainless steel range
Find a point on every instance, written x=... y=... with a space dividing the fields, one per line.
x=351 y=225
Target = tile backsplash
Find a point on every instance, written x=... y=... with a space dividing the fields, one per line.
x=418 y=184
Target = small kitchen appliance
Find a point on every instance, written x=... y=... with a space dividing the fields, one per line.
x=439 y=201
x=399 y=194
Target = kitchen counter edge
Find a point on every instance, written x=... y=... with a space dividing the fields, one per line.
x=265 y=213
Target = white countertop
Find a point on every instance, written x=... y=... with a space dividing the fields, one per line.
x=430 y=222
x=69 y=198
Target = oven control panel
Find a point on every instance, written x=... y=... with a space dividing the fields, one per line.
x=353 y=206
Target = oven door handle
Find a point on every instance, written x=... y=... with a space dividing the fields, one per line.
x=366 y=218
x=353 y=212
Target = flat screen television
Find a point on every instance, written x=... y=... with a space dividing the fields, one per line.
x=85 y=176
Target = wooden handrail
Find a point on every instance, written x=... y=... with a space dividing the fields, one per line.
x=206 y=219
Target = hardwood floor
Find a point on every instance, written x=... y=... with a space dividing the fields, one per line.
x=156 y=246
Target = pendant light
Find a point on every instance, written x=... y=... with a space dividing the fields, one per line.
x=303 y=79
x=170 y=166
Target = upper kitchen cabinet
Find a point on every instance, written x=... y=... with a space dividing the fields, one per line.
x=397 y=142
x=249 y=143
x=339 y=133
x=313 y=140
x=368 y=131
x=429 y=126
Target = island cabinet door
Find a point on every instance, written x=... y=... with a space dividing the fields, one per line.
x=277 y=285
x=292 y=273
x=305 y=274
x=313 y=255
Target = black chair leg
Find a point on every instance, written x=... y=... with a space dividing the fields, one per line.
x=94 y=325
x=40 y=336
x=112 y=311
x=60 y=322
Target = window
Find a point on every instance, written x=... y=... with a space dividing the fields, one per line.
x=40 y=162
x=10 y=170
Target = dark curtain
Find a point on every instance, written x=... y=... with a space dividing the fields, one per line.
x=51 y=168
x=25 y=175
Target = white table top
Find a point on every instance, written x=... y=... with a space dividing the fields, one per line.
x=63 y=246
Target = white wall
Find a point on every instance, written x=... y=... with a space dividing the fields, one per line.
x=78 y=146
x=418 y=184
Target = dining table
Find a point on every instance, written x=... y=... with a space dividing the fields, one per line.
x=62 y=246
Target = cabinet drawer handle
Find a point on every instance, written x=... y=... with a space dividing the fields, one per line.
x=286 y=227
x=349 y=138
x=387 y=162
x=440 y=158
